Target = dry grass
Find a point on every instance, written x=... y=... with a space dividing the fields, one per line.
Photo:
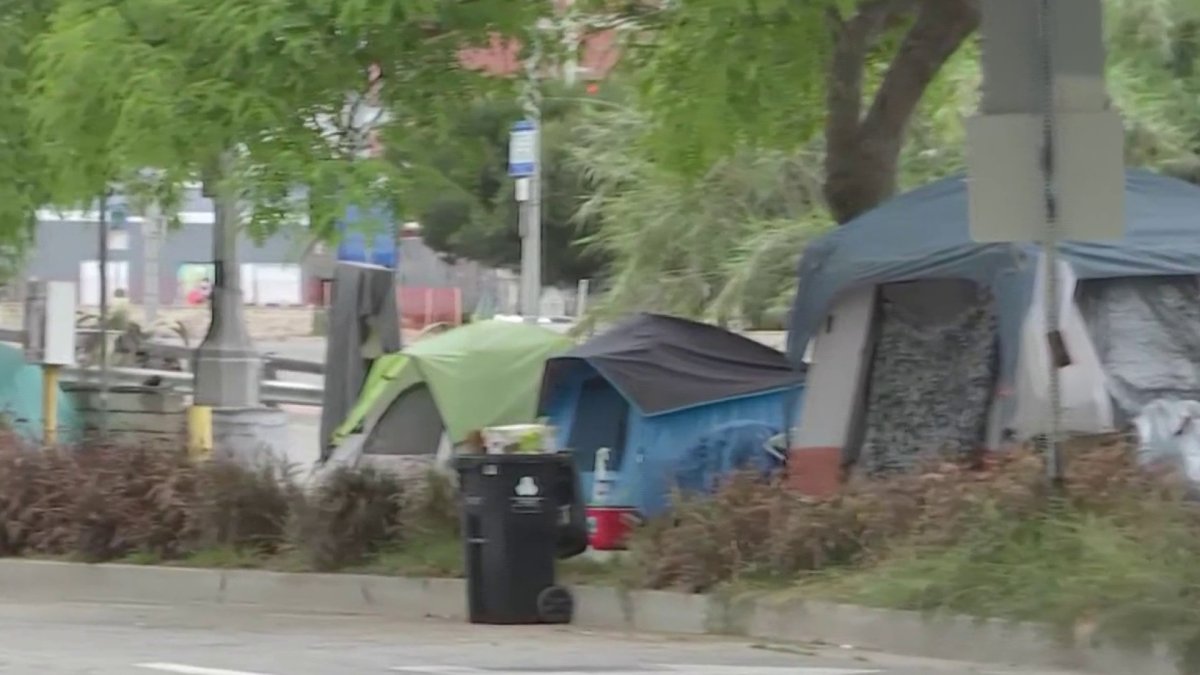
x=1111 y=558
x=149 y=505
x=755 y=530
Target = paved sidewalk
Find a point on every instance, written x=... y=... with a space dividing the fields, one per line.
x=63 y=639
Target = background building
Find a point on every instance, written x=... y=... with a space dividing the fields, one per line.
x=67 y=246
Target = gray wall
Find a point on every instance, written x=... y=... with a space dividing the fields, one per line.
x=62 y=244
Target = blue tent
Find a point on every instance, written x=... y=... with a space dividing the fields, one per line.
x=21 y=399
x=650 y=388
x=925 y=234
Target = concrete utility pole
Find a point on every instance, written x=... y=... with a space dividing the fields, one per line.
x=228 y=366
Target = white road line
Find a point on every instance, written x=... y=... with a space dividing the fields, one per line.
x=437 y=670
x=630 y=670
x=184 y=669
x=767 y=670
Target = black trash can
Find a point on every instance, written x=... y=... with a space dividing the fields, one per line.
x=519 y=514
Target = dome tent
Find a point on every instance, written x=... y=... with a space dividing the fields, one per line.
x=479 y=375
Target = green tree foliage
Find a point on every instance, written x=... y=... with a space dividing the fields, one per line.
x=257 y=96
x=1152 y=51
x=22 y=181
x=867 y=76
x=465 y=199
x=673 y=251
x=1154 y=79
x=723 y=74
x=718 y=246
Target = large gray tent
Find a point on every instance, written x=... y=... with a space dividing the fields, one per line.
x=1140 y=289
x=925 y=234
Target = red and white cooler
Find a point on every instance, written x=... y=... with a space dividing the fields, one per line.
x=609 y=526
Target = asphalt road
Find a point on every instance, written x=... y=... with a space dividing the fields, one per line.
x=36 y=639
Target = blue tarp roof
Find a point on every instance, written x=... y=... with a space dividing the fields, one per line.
x=925 y=234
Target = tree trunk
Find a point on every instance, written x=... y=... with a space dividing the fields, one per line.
x=863 y=149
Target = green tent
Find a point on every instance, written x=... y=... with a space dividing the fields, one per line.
x=482 y=374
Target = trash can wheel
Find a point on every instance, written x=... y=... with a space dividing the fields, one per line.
x=556 y=605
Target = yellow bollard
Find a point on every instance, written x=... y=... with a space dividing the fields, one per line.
x=50 y=404
x=200 y=432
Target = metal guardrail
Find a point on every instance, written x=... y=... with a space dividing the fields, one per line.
x=272 y=391
x=273 y=364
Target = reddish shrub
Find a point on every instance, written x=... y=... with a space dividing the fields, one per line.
x=352 y=515
x=240 y=508
x=104 y=502
x=98 y=504
x=754 y=529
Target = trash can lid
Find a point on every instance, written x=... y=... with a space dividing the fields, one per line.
x=472 y=461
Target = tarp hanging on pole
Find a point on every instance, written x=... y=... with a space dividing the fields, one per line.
x=364 y=326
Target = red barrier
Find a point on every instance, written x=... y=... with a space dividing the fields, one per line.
x=422 y=306
x=419 y=306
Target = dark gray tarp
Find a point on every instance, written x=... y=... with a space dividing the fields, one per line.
x=363 y=325
x=925 y=234
x=411 y=425
x=663 y=363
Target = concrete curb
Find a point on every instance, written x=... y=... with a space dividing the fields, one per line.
x=769 y=617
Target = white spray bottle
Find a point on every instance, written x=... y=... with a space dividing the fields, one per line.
x=602 y=481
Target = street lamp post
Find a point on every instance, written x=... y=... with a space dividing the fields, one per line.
x=102 y=227
x=227 y=364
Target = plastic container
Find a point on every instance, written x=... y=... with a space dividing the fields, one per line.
x=518 y=439
x=602 y=481
x=609 y=527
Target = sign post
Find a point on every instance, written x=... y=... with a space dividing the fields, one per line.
x=525 y=166
x=1045 y=156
